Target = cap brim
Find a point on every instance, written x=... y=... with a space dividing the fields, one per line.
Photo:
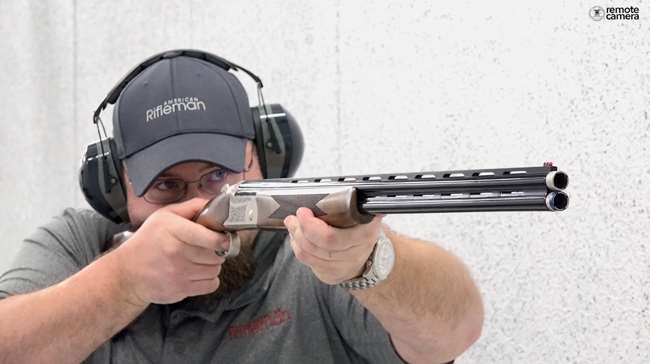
x=147 y=164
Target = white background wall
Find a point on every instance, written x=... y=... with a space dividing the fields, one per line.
x=386 y=87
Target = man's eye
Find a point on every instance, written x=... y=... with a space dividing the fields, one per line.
x=217 y=175
x=168 y=185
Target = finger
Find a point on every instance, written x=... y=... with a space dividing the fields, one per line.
x=325 y=254
x=331 y=255
x=328 y=271
x=363 y=232
x=326 y=236
x=291 y=223
x=198 y=235
x=200 y=255
x=302 y=254
x=315 y=229
x=197 y=288
x=303 y=243
x=187 y=209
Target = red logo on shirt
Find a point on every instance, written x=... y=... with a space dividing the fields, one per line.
x=274 y=318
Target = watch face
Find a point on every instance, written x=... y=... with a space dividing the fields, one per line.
x=384 y=258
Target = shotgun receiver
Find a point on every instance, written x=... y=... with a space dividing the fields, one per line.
x=345 y=201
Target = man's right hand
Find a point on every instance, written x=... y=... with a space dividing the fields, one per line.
x=170 y=257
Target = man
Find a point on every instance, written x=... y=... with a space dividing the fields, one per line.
x=163 y=295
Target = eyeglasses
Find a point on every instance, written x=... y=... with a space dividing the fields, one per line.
x=166 y=190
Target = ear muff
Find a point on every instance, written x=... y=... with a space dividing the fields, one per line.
x=278 y=140
x=101 y=183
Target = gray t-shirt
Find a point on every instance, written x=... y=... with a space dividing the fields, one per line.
x=283 y=315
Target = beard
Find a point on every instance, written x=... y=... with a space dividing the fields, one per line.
x=236 y=271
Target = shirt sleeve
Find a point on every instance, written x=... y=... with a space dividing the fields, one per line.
x=55 y=251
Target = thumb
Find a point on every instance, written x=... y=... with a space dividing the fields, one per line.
x=378 y=219
x=187 y=209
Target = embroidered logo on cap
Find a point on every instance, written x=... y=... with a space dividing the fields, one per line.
x=173 y=105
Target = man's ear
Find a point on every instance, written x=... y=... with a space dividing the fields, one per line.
x=125 y=175
x=126 y=182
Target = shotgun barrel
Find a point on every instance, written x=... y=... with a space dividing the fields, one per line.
x=345 y=201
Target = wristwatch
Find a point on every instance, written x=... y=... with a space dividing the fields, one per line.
x=378 y=267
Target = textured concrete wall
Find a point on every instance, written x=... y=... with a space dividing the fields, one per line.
x=393 y=86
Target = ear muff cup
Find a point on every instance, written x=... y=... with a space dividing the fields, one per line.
x=279 y=141
x=100 y=179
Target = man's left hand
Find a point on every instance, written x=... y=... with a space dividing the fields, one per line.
x=334 y=255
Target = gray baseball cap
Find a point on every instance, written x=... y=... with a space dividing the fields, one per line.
x=178 y=110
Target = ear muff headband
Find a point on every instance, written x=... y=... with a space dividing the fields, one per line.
x=115 y=92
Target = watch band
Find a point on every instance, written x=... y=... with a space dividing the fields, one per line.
x=359 y=283
x=368 y=279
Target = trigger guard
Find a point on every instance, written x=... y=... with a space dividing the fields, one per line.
x=233 y=249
